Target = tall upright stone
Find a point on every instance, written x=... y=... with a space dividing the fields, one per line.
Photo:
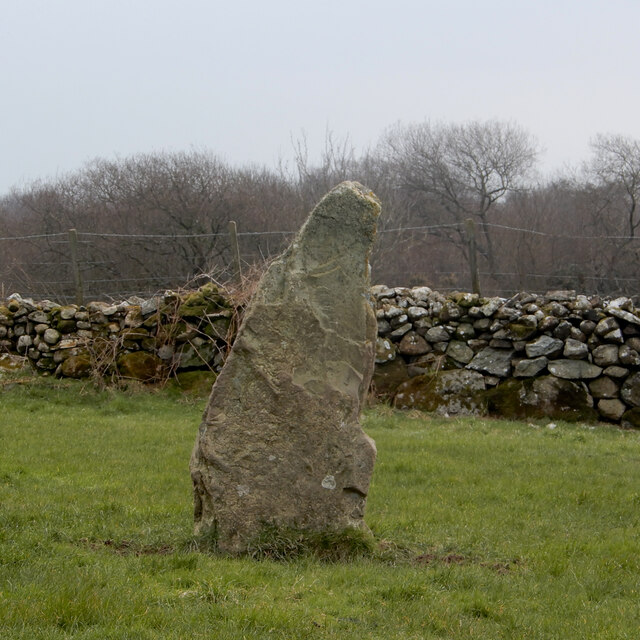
x=280 y=442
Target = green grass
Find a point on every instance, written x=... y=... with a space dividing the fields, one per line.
x=485 y=529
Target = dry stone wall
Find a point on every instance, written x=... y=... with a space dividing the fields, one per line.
x=558 y=355
x=141 y=339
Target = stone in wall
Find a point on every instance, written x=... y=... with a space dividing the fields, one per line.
x=445 y=393
x=544 y=397
x=495 y=362
x=388 y=377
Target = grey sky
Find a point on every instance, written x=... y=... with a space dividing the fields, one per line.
x=87 y=78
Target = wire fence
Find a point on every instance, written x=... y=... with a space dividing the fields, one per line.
x=514 y=259
x=497 y=259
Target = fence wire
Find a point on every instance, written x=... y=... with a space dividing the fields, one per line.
x=120 y=265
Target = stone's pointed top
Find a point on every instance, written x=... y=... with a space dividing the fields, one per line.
x=357 y=188
x=280 y=443
x=350 y=205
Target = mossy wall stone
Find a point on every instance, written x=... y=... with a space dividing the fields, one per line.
x=388 y=377
x=545 y=397
x=454 y=392
x=140 y=365
x=76 y=366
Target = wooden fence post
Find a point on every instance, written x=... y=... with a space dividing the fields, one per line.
x=235 y=252
x=470 y=229
x=75 y=266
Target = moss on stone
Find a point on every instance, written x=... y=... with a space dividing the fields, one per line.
x=388 y=377
x=6 y=314
x=76 y=366
x=519 y=331
x=631 y=418
x=195 y=383
x=206 y=299
x=544 y=397
x=134 y=334
x=140 y=365
x=465 y=300
x=10 y=362
x=218 y=328
x=455 y=392
x=153 y=320
x=505 y=399
x=64 y=326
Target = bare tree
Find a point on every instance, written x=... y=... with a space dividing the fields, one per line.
x=615 y=165
x=450 y=172
x=149 y=221
x=612 y=189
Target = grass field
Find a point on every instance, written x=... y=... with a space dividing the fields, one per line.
x=485 y=529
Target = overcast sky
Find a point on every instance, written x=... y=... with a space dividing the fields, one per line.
x=87 y=78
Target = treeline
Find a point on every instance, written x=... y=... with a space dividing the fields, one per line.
x=155 y=221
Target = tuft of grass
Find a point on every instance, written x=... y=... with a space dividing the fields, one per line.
x=287 y=544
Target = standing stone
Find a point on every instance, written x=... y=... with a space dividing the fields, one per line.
x=280 y=442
